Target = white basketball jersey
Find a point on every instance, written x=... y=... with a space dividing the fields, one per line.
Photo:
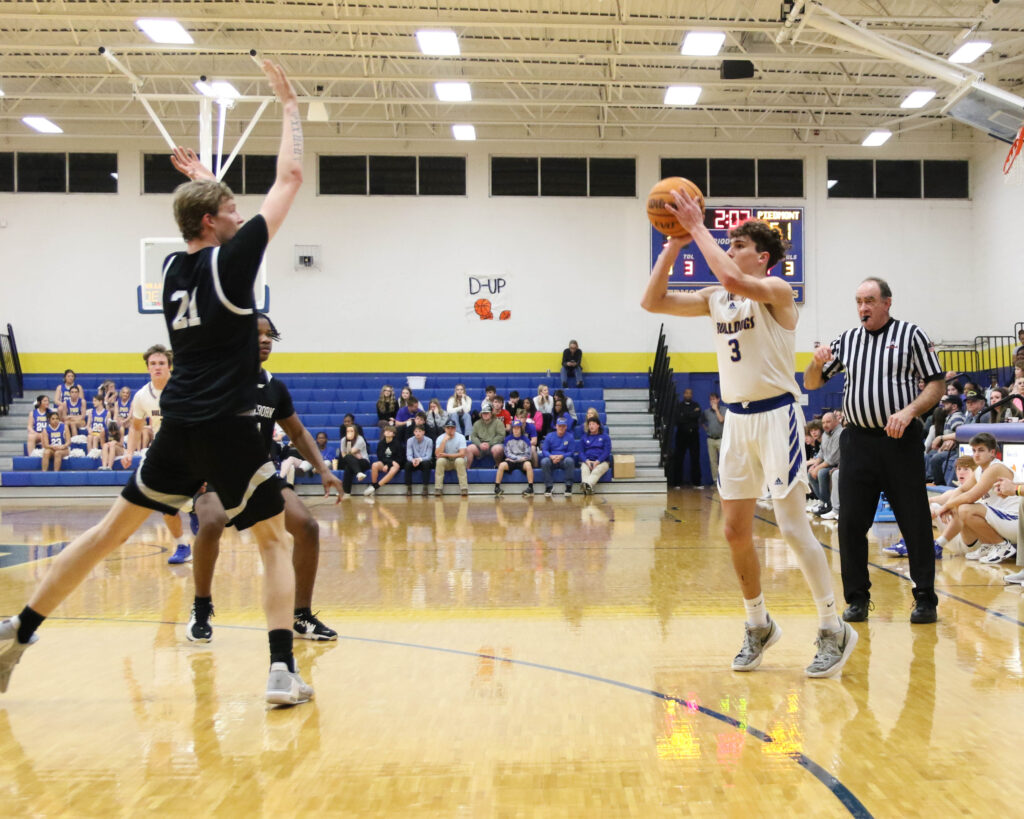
x=146 y=404
x=756 y=355
x=994 y=501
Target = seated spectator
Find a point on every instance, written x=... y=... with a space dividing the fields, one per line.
x=390 y=458
x=487 y=437
x=108 y=394
x=63 y=391
x=545 y=405
x=499 y=410
x=405 y=433
x=352 y=457
x=532 y=414
x=403 y=418
x=403 y=397
x=123 y=409
x=557 y=453
x=570 y=407
x=591 y=413
x=450 y=453
x=459 y=409
x=812 y=439
x=435 y=419
x=572 y=364
x=37 y=423
x=73 y=411
x=55 y=442
x=559 y=410
x=387 y=406
x=97 y=424
x=1018 y=393
x=529 y=432
x=419 y=457
x=595 y=455
x=1020 y=350
x=513 y=403
x=976 y=512
x=350 y=421
x=1004 y=414
x=821 y=467
x=517 y=458
x=112 y=448
x=293 y=462
x=943 y=447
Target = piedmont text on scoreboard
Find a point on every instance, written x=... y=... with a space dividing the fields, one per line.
x=691 y=271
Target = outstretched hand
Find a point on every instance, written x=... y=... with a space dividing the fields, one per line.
x=686 y=210
x=279 y=83
x=330 y=481
x=186 y=161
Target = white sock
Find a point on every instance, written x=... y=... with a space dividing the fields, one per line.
x=828 y=620
x=757 y=614
x=796 y=530
x=941 y=540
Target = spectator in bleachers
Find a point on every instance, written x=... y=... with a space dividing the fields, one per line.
x=63 y=391
x=713 y=421
x=532 y=414
x=419 y=457
x=123 y=409
x=1004 y=414
x=954 y=387
x=559 y=410
x=513 y=403
x=544 y=404
x=55 y=443
x=352 y=457
x=74 y=410
x=558 y=453
x=1018 y=391
x=943 y=447
x=108 y=393
x=403 y=396
x=404 y=416
x=1020 y=350
x=518 y=458
x=405 y=433
x=529 y=432
x=572 y=364
x=390 y=459
x=499 y=410
x=595 y=455
x=350 y=421
x=821 y=468
x=97 y=424
x=37 y=423
x=387 y=406
x=293 y=462
x=113 y=447
x=459 y=410
x=487 y=438
x=435 y=419
x=812 y=439
x=570 y=407
x=450 y=453
x=983 y=515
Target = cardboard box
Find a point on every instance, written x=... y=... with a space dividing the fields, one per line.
x=625 y=466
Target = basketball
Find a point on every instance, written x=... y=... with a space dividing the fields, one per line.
x=662 y=219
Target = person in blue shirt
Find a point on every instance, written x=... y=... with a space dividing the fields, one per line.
x=37 y=423
x=450 y=452
x=55 y=441
x=419 y=455
x=98 y=416
x=558 y=453
x=595 y=455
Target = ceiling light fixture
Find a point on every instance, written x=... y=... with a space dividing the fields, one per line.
x=918 y=99
x=702 y=43
x=453 y=91
x=464 y=133
x=969 y=52
x=42 y=125
x=682 y=94
x=218 y=89
x=163 y=30
x=441 y=43
x=876 y=138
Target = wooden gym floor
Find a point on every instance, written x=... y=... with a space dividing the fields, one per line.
x=511 y=658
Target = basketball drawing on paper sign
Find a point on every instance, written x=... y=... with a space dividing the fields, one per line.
x=481 y=307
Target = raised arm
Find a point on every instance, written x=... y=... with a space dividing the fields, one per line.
x=657 y=299
x=186 y=161
x=289 y=156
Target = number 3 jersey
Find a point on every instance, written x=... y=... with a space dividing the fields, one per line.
x=211 y=319
x=756 y=355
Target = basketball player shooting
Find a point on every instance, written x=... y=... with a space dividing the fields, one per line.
x=754 y=317
x=208 y=407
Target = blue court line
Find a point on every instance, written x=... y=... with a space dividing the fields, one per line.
x=837 y=788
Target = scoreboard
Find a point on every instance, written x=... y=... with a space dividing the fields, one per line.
x=691 y=271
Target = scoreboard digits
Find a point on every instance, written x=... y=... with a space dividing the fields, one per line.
x=691 y=271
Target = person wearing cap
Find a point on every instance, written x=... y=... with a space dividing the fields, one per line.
x=419 y=457
x=487 y=437
x=945 y=442
x=595 y=455
x=558 y=452
x=517 y=458
x=882 y=448
x=450 y=453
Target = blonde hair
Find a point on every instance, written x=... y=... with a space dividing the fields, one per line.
x=193 y=200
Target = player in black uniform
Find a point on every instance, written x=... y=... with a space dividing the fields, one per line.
x=274 y=405
x=209 y=431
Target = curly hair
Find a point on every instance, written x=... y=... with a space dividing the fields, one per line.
x=765 y=238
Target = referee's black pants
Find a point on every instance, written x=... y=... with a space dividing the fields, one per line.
x=871 y=462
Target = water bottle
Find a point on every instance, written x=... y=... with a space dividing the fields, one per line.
x=549 y=372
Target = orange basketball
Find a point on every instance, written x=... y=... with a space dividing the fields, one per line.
x=662 y=219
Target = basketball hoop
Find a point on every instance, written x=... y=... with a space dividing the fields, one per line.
x=1013 y=171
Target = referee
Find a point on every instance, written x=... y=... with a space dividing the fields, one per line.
x=882 y=449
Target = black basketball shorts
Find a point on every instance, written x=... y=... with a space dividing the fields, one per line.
x=226 y=452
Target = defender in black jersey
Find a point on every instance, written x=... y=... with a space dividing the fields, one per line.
x=273 y=405
x=209 y=432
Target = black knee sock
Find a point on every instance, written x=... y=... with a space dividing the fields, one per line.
x=281 y=647
x=30 y=621
x=203 y=602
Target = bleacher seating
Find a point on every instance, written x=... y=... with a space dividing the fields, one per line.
x=322 y=401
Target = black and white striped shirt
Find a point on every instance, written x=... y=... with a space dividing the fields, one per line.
x=882 y=369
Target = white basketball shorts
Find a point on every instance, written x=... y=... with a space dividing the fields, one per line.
x=762 y=449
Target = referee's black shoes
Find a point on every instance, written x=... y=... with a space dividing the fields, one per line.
x=924 y=612
x=857 y=612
